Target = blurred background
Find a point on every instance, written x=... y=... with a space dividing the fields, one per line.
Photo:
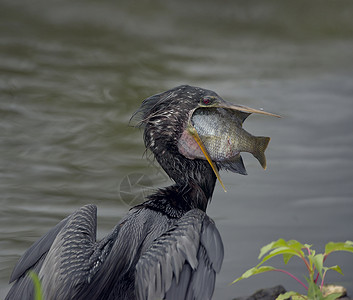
x=73 y=72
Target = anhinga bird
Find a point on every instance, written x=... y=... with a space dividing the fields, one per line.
x=166 y=247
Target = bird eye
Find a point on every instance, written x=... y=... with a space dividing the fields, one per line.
x=206 y=101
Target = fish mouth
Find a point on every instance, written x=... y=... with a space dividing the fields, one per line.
x=210 y=135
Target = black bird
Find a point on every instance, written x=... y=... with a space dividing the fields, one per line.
x=165 y=248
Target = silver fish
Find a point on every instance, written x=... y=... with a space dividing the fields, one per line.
x=215 y=133
x=222 y=134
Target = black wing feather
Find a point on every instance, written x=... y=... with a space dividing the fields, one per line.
x=66 y=263
x=55 y=255
x=36 y=251
x=181 y=264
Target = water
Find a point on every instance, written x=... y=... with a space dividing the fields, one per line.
x=72 y=74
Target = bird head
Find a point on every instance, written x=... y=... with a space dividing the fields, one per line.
x=171 y=130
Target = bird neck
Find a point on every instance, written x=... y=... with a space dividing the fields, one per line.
x=194 y=179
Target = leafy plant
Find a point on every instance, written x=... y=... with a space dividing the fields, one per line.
x=37 y=285
x=314 y=264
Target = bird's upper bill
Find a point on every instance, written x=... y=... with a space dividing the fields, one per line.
x=214 y=132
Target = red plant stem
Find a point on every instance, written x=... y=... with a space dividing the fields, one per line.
x=322 y=281
x=317 y=277
x=306 y=263
x=291 y=275
x=325 y=256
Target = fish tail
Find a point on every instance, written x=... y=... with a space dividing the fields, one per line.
x=259 y=153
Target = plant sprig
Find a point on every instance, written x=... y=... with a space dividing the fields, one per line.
x=313 y=262
x=37 y=285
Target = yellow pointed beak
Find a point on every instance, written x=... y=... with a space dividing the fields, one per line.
x=195 y=135
x=245 y=109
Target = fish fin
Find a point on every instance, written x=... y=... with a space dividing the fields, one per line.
x=259 y=153
x=241 y=115
x=236 y=165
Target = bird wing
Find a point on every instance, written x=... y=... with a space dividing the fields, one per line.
x=36 y=251
x=182 y=262
x=52 y=256
x=33 y=258
x=67 y=262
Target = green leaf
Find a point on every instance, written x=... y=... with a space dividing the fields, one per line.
x=287 y=295
x=346 y=246
x=300 y=297
x=307 y=246
x=314 y=292
x=281 y=250
x=254 y=271
x=315 y=295
x=295 y=245
x=270 y=246
x=333 y=296
x=287 y=257
x=318 y=261
x=291 y=244
x=334 y=268
x=37 y=285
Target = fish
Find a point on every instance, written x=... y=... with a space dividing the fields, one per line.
x=215 y=133
x=224 y=138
